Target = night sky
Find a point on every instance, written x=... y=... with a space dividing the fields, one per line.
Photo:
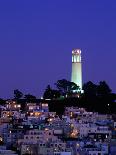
x=37 y=37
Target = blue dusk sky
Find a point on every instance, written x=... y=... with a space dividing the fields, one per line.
x=37 y=37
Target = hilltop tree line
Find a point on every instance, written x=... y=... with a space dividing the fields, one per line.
x=18 y=95
x=96 y=97
x=66 y=88
x=63 y=88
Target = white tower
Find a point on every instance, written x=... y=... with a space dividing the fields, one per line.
x=76 y=67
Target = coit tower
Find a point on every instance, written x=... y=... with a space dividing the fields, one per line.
x=76 y=76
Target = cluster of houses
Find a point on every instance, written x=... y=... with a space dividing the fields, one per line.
x=37 y=131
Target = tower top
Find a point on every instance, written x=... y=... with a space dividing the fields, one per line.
x=76 y=56
x=76 y=51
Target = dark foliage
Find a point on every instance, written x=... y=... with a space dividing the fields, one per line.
x=103 y=88
x=90 y=89
x=17 y=94
x=66 y=87
x=101 y=104
x=2 y=102
x=51 y=93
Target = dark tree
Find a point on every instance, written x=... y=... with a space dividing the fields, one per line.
x=2 y=102
x=17 y=94
x=51 y=93
x=90 y=89
x=103 y=88
x=73 y=87
x=66 y=87
x=62 y=86
x=48 y=93
x=56 y=93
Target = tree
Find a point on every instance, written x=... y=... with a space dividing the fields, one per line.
x=17 y=94
x=2 y=102
x=73 y=87
x=103 y=88
x=66 y=87
x=48 y=93
x=90 y=89
x=62 y=86
x=51 y=93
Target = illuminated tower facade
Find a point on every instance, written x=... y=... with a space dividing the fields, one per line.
x=76 y=67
